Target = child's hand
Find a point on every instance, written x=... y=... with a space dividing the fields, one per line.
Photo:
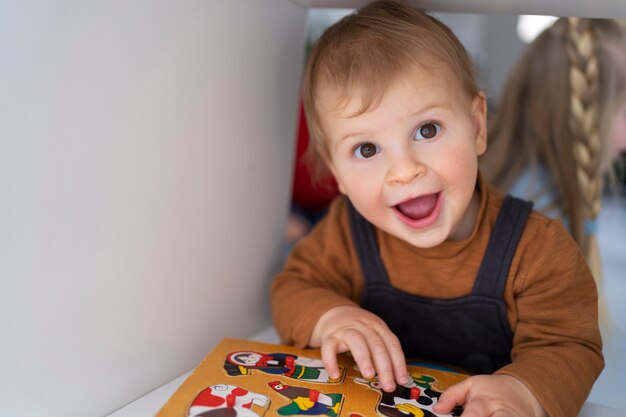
x=375 y=349
x=490 y=395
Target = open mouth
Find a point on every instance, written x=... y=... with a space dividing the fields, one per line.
x=420 y=211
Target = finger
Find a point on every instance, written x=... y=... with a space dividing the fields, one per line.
x=478 y=409
x=360 y=351
x=398 y=361
x=382 y=362
x=329 y=350
x=453 y=396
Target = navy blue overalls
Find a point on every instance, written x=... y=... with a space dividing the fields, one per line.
x=471 y=331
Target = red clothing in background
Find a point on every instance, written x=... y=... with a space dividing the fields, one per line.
x=308 y=195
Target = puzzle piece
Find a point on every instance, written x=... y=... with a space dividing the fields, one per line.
x=288 y=365
x=223 y=400
x=416 y=398
x=305 y=401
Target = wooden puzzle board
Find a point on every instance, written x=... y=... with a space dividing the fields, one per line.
x=240 y=378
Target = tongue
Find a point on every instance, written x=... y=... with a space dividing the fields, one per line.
x=419 y=207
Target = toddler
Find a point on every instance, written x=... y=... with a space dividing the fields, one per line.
x=419 y=257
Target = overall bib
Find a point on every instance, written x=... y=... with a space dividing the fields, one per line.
x=471 y=331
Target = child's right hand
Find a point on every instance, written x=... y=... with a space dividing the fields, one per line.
x=375 y=349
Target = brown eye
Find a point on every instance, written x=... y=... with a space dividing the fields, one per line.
x=366 y=150
x=427 y=131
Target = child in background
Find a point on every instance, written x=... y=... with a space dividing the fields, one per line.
x=420 y=257
x=561 y=122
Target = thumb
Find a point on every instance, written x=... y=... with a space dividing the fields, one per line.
x=453 y=396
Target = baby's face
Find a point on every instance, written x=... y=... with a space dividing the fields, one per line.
x=409 y=165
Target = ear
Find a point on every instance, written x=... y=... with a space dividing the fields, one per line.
x=479 y=121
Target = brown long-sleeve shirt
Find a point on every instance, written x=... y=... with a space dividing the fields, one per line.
x=550 y=294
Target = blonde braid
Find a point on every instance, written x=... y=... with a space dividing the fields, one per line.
x=584 y=123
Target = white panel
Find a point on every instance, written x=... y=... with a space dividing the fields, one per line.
x=145 y=164
x=597 y=8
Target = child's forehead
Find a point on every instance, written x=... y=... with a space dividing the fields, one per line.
x=347 y=101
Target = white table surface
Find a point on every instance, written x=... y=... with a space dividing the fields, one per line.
x=151 y=403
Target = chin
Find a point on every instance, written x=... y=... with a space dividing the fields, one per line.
x=426 y=240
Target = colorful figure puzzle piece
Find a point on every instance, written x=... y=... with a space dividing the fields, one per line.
x=226 y=401
x=288 y=365
x=416 y=398
x=305 y=401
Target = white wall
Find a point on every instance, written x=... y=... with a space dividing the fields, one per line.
x=597 y=8
x=145 y=165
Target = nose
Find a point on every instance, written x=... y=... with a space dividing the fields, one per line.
x=404 y=168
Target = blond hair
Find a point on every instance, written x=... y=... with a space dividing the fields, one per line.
x=366 y=51
x=556 y=112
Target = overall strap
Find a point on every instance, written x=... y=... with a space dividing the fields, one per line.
x=366 y=247
x=505 y=236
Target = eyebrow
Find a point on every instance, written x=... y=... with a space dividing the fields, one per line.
x=431 y=106
x=349 y=135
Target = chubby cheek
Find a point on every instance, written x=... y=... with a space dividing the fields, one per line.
x=459 y=185
x=459 y=167
x=361 y=187
x=361 y=184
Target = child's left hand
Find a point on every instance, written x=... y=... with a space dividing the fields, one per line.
x=490 y=395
